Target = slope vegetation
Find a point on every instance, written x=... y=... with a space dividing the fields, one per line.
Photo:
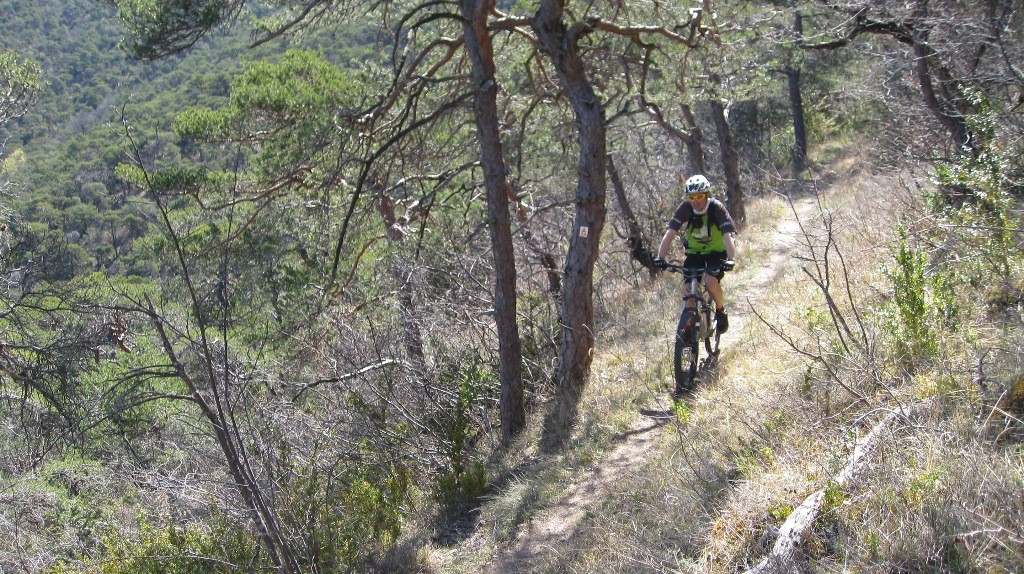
x=777 y=421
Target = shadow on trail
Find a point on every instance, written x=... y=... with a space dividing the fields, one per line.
x=558 y=424
x=456 y=525
x=661 y=418
x=707 y=375
x=459 y=522
x=544 y=543
x=560 y=419
x=708 y=372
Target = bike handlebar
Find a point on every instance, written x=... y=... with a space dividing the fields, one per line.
x=709 y=269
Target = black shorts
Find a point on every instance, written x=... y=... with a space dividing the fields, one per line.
x=705 y=259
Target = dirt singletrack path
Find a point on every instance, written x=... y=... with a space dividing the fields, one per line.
x=557 y=524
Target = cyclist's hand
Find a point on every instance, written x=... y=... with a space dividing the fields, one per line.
x=660 y=263
x=728 y=265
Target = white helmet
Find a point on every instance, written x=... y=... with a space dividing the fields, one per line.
x=698 y=184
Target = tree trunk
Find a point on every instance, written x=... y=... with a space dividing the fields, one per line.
x=411 y=334
x=695 y=145
x=691 y=137
x=937 y=100
x=730 y=161
x=216 y=409
x=639 y=247
x=481 y=56
x=796 y=104
x=939 y=89
x=576 y=353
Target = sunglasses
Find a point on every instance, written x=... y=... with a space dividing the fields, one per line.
x=697 y=196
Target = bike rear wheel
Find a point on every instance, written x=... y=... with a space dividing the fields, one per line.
x=712 y=338
x=686 y=349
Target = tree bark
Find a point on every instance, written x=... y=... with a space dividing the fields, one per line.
x=691 y=137
x=796 y=104
x=576 y=353
x=485 y=108
x=639 y=246
x=695 y=145
x=939 y=101
x=730 y=159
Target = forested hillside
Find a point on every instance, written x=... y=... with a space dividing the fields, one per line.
x=65 y=144
x=350 y=287
x=68 y=143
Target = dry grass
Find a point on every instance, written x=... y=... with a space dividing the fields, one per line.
x=766 y=428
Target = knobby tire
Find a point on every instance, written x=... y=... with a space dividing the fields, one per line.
x=712 y=339
x=685 y=374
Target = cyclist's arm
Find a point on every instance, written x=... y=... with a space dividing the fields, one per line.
x=725 y=224
x=730 y=247
x=666 y=243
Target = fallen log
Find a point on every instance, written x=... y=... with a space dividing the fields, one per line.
x=794 y=531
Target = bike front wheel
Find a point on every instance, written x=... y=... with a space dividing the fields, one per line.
x=686 y=349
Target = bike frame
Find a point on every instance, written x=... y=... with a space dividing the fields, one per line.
x=699 y=297
x=696 y=323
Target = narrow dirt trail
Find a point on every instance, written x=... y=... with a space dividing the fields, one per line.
x=554 y=526
x=787 y=242
x=557 y=524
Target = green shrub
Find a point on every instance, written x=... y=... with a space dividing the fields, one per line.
x=335 y=523
x=362 y=521
x=343 y=516
x=463 y=478
x=186 y=549
x=915 y=339
x=985 y=181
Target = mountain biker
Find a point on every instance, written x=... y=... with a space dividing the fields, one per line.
x=708 y=234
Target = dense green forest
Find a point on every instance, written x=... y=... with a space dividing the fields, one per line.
x=311 y=286
x=67 y=144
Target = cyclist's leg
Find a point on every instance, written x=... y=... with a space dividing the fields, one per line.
x=715 y=290
x=712 y=282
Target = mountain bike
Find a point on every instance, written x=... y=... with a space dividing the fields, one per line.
x=696 y=323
